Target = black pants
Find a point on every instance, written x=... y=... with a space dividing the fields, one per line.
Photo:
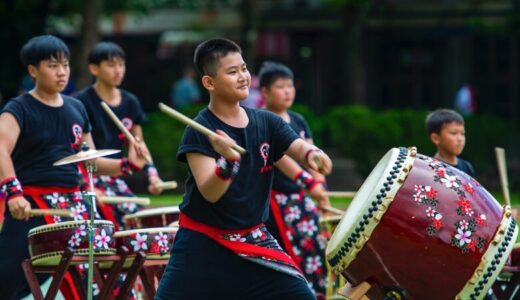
x=200 y=268
x=13 y=250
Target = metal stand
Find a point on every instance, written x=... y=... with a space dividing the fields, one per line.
x=91 y=228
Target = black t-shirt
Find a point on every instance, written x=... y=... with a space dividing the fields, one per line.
x=47 y=134
x=281 y=182
x=465 y=166
x=246 y=202
x=105 y=133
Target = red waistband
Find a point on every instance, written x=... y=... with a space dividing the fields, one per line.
x=33 y=189
x=237 y=247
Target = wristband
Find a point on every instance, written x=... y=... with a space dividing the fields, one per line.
x=151 y=170
x=127 y=167
x=11 y=187
x=305 y=180
x=226 y=169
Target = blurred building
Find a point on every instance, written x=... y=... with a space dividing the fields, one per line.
x=383 y=53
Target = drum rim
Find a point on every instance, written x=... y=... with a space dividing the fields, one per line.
x=493 y=259
x=82 y=252
x=343 y=247
x=119 y=234
x=66 y=225
x=153 y=212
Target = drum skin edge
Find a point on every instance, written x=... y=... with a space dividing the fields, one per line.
x=340 y=258
x=493 y=259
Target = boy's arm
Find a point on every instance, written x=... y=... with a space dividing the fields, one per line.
x=316 y=175
x=213 y=179
x=310 y=156
x=9 y=133
x=151 y=170
x=313 y=187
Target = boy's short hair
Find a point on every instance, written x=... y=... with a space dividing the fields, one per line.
x=272 y=71
x=208 y=54
x=436 y=119
x=105 y=51
x=41 y=48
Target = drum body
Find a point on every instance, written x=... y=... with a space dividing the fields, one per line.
x=152 y=218
x=47 y=243
x=421 y=229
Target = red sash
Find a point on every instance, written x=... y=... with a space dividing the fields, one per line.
x=242 y=248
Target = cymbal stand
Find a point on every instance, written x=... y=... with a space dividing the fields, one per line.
x=90 y=166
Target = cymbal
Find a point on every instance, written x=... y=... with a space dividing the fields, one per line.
x=85 y=155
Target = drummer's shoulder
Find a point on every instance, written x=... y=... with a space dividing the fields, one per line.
x=75 y=102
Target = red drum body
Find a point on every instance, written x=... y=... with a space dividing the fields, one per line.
x=152 y=218
x=47 y=243
x=156 y=243
x=421 y=229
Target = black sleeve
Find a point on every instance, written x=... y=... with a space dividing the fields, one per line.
x=78 y=104
x=194 y=142
x=283 y=135
x=138 y=114
x=305 y=126
x=15 y=108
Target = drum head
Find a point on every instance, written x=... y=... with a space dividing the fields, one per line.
x=360 y=218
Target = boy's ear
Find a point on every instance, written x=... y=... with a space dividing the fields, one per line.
x=93 y=68
x=435 y=137
x=31 y=69
x=264 y=92
x=208 y=82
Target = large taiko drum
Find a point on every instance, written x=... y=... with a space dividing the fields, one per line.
x=47 y=243
x=154 y=217
x=421 y=229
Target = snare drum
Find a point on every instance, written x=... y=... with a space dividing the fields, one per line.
x=47 y=243
x=421 y=229
x=151 y=218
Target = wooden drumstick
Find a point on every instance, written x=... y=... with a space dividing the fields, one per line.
x=502 y=171
x=118 y=200
x=195 y=125
x=51 y=212
x=167 y=185
x=118 y=122
x=345 y=194
x=333 y=210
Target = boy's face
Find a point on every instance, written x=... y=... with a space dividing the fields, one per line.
x=280 y=94
x=232 y=79
x=451 y=139
x=110 y=72
x=51 y=74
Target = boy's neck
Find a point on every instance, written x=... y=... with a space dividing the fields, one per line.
x=229 y=112
x=451 y=159
x=47 y=97
x=108 y=93
x=280 y=112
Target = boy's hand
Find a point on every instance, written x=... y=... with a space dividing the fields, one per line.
x=319 y=194
x=153 y=186
x=137 y=153
x=319 y=161
x=223 y=144
x=20 y=208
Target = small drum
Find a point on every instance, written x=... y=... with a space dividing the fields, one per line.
x=154 y=217
x=156 y=243
x=421 y=229
x=47 y=243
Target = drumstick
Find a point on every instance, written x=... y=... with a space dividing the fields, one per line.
x=118 y=123
x=346 y=194
x=502 y=171
x=197 y=126
x=118 y=200
x=333 y=210
x=51 y=212
x=167 y=185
